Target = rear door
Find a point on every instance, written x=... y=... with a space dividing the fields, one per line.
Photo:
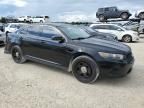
x=30 y=41
x=107 y=12
x=116 y=31
x=113 y=12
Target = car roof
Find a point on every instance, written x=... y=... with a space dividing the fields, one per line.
x=55 y=24
x=108 y=7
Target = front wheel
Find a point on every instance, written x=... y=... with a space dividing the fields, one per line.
x=141 y=15
x=127 y=39
x=17 y=55
x=85 y=69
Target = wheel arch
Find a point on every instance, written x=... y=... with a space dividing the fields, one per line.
x=78 y=55
x=123 y=13
x=140 y=13
x=126 y=35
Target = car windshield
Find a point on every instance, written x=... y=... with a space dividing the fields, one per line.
x=15 y=26
x=90 y=29
x=74 y=32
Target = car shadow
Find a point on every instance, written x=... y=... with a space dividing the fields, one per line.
x=129 y=81
x=49 y=67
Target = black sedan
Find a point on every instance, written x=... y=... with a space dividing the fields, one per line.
x=71 y=48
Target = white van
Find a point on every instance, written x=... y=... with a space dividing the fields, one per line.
x=39 y=19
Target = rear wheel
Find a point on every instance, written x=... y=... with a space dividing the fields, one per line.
x=127 y=38
x=41 y=21
x=85 y=69
x=102 y=18
x=31 y=21
x=125 y=16
x=17 y=55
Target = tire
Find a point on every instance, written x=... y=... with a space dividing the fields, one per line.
x=25 y=20
x=17 y=55
x=124 y=16
x=102 y=18
x=41 y=21
x=141 y=15
x=127 y=38
x=31 y=21
x=85 y=69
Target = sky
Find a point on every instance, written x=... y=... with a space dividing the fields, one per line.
x=64 y=10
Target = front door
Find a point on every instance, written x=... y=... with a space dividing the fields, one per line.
x=51 y=50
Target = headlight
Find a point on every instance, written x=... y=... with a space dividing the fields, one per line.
x=111 y=56
x=135 y=33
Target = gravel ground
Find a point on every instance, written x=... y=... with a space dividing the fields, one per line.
x=33 y=85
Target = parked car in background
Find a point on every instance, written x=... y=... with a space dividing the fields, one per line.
x=140 y=14
x=2 y=36
x=141 y=28
x=100 y=35
x=11 y=19
x=131 y=26
x=72 y=49
x=122 y=33
x=12 y=27
x=39 y=19
x=24 y=18
x=112 y=12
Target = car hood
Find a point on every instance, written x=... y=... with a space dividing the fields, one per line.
x=94 y=42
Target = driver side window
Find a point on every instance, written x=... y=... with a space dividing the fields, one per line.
x=49 y=32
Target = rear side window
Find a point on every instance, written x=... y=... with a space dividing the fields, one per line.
x=110 y=27
x=99 y=27
x=100 y=9
x=106 y=9
x=15 y=26
x=34 y=30
x=49 y=32
x=38 y=17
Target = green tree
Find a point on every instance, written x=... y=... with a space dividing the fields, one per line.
x=3 y=20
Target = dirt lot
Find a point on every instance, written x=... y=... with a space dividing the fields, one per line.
x=33 y=85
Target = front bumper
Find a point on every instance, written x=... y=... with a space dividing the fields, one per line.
x=135 y=37
x=116 y=69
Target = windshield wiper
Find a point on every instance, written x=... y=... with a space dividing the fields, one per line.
x=79 y=38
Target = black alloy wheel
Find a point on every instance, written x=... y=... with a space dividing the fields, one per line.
x=17 y=55
x=85 y=69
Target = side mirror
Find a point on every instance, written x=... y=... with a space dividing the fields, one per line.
x=60 y=39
